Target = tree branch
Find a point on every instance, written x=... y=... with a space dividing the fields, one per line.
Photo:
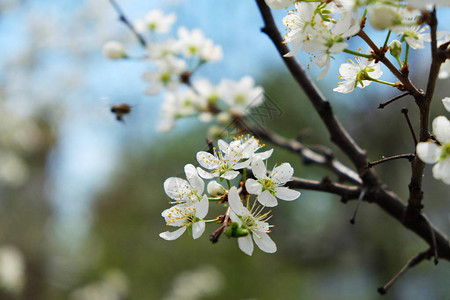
x=410 y=264
x=130 y=26
x=326 y=185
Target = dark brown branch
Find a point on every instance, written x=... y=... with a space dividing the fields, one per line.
x=411 y=128
x=410 y=264
x=407 y=84
x=377 y=193
x=382 y=105
x=338 y=134
x=310 y=156
x=377 y=162
x=130 y=26
x=326 y=185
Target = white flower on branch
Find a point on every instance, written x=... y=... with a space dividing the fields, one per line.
x=194 y=44
x=114 y=50
x=382 y=17
x=438 y=154
x=254 y=222
x=301 y=23
x=241 y=95
x=230 y=157
x=414 y=36
x=330 y=39
x=167 y=75
x=359 y=74
x=186 y=217
x=269 y=188
x=184 y=191
x=156 y=21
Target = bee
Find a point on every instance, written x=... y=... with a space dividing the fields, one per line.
x=120 y=110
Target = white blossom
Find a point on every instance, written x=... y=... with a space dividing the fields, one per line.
x=12 y=269
x=182 y=191
x=382 y=17
x=194 y=44
x=186 y=216
x=330 y=39
x=167 y=75
x=432 y=153
x=241 y=95
x=156 y=21
x=114 y=50
x=357 y=74
x=446 y=102
x=253 y=221
x=269 y=188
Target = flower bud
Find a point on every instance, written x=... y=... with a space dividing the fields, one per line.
x=382 y=17
x=395 y=49
x=114 y=50
x=215 y=189
x=224 y=118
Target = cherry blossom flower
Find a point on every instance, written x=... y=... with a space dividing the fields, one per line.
x=269 y=188
x=359 y=74
x=241 y=95
x=167 y=75
x=252 y=221
x=331 y=40
x=446 y=102
x=438 y=154
x=156 y=21
x=301 y=23
x=114 y=50
x=184 y=191
x=186 y=217
x=194 y=44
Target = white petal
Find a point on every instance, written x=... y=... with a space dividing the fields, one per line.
x=246 y=244
x=204 y=174
x=197 y=229
x=230 y=175
x=235 y=202
x=241 y=165
x=235 y=218
x=282 y=173
x=172 y=235
x=285 y=193
x=446 y=102
x=202 y=207
x=267 y=199
x=264 y=242
x=442 y=171
x=207 y=160
x=441 y=129
x=253 y=186
x=259 y=168
x=223 y=146
x=176 y=188
x=428 y=152
x=263 y=155
x=195 y=181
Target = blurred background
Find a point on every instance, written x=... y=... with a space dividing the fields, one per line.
x=81 y=194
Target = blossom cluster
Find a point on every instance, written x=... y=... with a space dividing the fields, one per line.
x=244 y=218
x=174 y=62
x=322 y=29
x=437 y=151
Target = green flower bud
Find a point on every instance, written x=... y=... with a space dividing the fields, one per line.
x=395 y=49
x=235 y=231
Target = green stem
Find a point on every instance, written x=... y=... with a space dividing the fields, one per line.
x=407 y=54
x=387 y=39
x=399 y=62
x=215 y=199
x=364 y=14
x=244 y=175
x=229 y=184
x=210 y=221
x=358 y=53
x=380 y=81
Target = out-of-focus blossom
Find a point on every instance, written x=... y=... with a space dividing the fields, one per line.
x=114 y=50
x=12 y=270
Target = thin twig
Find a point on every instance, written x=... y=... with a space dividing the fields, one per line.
x=124 y=19
x=360 y=198
x=382 y=105
x=405 y=113
x=376 y=162
x=410 y=264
